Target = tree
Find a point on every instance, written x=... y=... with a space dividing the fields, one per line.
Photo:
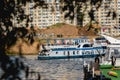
x=9 y=33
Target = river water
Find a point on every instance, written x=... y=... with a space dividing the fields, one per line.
x=59 y=69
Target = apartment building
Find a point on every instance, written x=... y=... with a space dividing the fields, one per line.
x=110 y=23
x=105 y=16
x=44 y=17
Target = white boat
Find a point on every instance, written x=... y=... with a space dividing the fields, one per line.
x=113 y=42
x=63 y=51
x=113 y=46
x=100 y=41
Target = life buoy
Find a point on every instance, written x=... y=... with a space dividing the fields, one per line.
x=112 y=73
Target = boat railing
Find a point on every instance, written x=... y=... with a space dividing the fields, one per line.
x=59 y=44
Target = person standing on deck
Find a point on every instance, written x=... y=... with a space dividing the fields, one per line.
x=113 y=61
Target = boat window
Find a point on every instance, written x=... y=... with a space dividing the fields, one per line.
x=87 y=45
x=116 y=51
x=76 y=43
x=104 y=47
x=43 y=54
x=77 y=52
x=78 y=46
x=82 y=53
x=68 y=53
x=56 y=52
x=73 y=52
x=64 y=53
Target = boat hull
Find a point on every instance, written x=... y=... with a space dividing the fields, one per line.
x=67 y=57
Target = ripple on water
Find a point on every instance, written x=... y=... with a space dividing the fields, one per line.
x=59 y=69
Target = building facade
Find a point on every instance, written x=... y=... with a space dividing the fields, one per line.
x=109 y=18
x=45 y=17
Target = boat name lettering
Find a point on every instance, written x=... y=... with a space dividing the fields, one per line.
x=88 y=52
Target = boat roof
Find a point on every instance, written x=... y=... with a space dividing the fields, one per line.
x=84 y=37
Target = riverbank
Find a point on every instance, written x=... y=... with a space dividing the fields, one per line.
x=23 y=47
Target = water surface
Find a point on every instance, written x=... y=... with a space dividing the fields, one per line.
x=59 y=69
